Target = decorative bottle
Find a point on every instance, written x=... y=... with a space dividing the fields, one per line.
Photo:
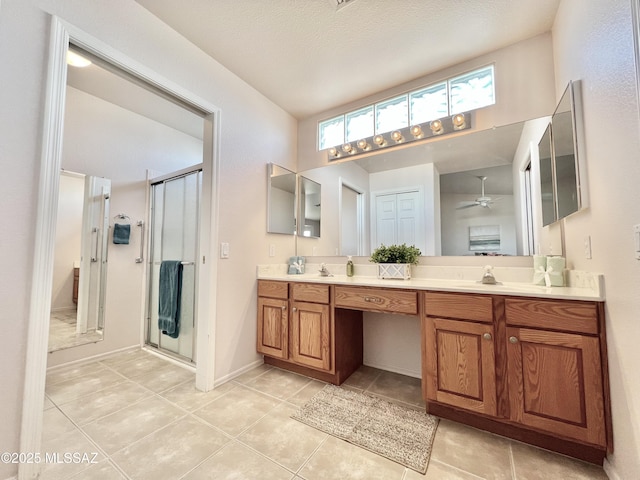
x=349 y=266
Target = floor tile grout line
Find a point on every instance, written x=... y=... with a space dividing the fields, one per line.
x=91 y=441
x=457 y=469
x=304 y=464
x=513 y=461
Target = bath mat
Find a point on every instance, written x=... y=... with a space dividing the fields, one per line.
x=392 y=431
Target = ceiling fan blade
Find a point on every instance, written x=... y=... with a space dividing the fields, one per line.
x=469 y=205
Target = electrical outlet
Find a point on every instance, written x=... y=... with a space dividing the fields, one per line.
x=587 y=246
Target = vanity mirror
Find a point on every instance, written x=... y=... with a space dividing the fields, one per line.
x=546 y=178
x=565 y=153
x=412 y=194
x=560 y=178
x=281 y=200
x=309 y=207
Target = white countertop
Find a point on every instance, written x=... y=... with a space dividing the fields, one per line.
x=582 y=285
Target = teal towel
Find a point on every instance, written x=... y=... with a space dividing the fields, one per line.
x=169 y=297
x=121 y=233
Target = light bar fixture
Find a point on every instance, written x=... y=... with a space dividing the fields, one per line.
x=438 y=127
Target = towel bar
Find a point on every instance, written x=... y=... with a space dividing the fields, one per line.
x=141 y=257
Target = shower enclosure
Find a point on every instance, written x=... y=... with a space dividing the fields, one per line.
x=174 y=231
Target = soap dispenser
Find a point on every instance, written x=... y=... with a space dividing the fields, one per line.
x=349 y=266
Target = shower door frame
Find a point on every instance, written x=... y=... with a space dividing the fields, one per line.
x=185 y=172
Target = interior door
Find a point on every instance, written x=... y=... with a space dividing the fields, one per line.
x=399 y=219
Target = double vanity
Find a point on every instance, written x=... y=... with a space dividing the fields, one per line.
x=524 y=361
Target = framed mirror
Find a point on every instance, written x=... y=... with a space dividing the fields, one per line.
x=281 y=200
x=309 y=199
x=80 y=261
x=565 y=154
x=559 y=160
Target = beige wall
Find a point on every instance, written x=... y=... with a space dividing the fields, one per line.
x=593 y=42
x=24 y=43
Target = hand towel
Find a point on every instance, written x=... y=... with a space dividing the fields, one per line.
x=169 y=294
x=539 y=269
x=121 y=233
x=555 y=270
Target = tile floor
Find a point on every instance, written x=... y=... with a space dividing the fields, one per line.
x=143 y=419
x=62 y=331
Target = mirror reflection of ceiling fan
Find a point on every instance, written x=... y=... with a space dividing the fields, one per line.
x=482 y=201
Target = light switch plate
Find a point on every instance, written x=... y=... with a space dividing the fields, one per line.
x=636 y=240
x=272 y=250
x=587 y=246
x=224 y=250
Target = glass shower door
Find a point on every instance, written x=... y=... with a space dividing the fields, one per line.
x=175 y=214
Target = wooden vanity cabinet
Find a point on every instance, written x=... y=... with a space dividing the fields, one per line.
x=555 y=368
x=273 y=319
x=300 y=330
x=528 y=368
x=311 y=325
x=459 y=366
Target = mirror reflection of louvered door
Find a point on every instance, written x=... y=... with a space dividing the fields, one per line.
x=399 y=219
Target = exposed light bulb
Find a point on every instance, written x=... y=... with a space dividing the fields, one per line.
x=347 y=148
x=458 y=121
x=436 y=127
x=76 y=60
x=397 y=136
x=333 y=151
x=379 y=140
x=363 y=144
x=416 y=131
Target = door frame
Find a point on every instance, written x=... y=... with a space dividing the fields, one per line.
x=61 y=34
x=360 y=214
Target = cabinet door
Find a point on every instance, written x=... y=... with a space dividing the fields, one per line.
x=555 y=383
x=273 y=327
x=311 y=335
x=460 y=364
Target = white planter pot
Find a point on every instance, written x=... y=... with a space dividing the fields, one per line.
x=400 y=271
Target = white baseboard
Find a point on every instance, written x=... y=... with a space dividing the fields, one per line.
x=237 y=373
x=11 y=478
x=92 y=358
x=610 y=471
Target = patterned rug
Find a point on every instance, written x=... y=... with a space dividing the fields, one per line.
x=392 y=431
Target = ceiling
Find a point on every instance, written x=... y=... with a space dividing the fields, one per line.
x=308 y=56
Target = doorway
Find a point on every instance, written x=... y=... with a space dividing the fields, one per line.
x=62 y=33
x=174 y=230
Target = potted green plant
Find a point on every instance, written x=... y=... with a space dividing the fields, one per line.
x=394 y=261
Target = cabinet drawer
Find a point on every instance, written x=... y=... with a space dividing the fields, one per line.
x=459 y=305
x=377 y=299
x=273 y=289
x=310 y=292
x=568 y=316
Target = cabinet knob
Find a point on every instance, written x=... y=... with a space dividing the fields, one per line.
x=283 y=308
x=487 y=336
x=513 y=339
x=294 y=309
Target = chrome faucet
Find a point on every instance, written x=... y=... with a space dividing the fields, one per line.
x=488 y=278
x=324 y=272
